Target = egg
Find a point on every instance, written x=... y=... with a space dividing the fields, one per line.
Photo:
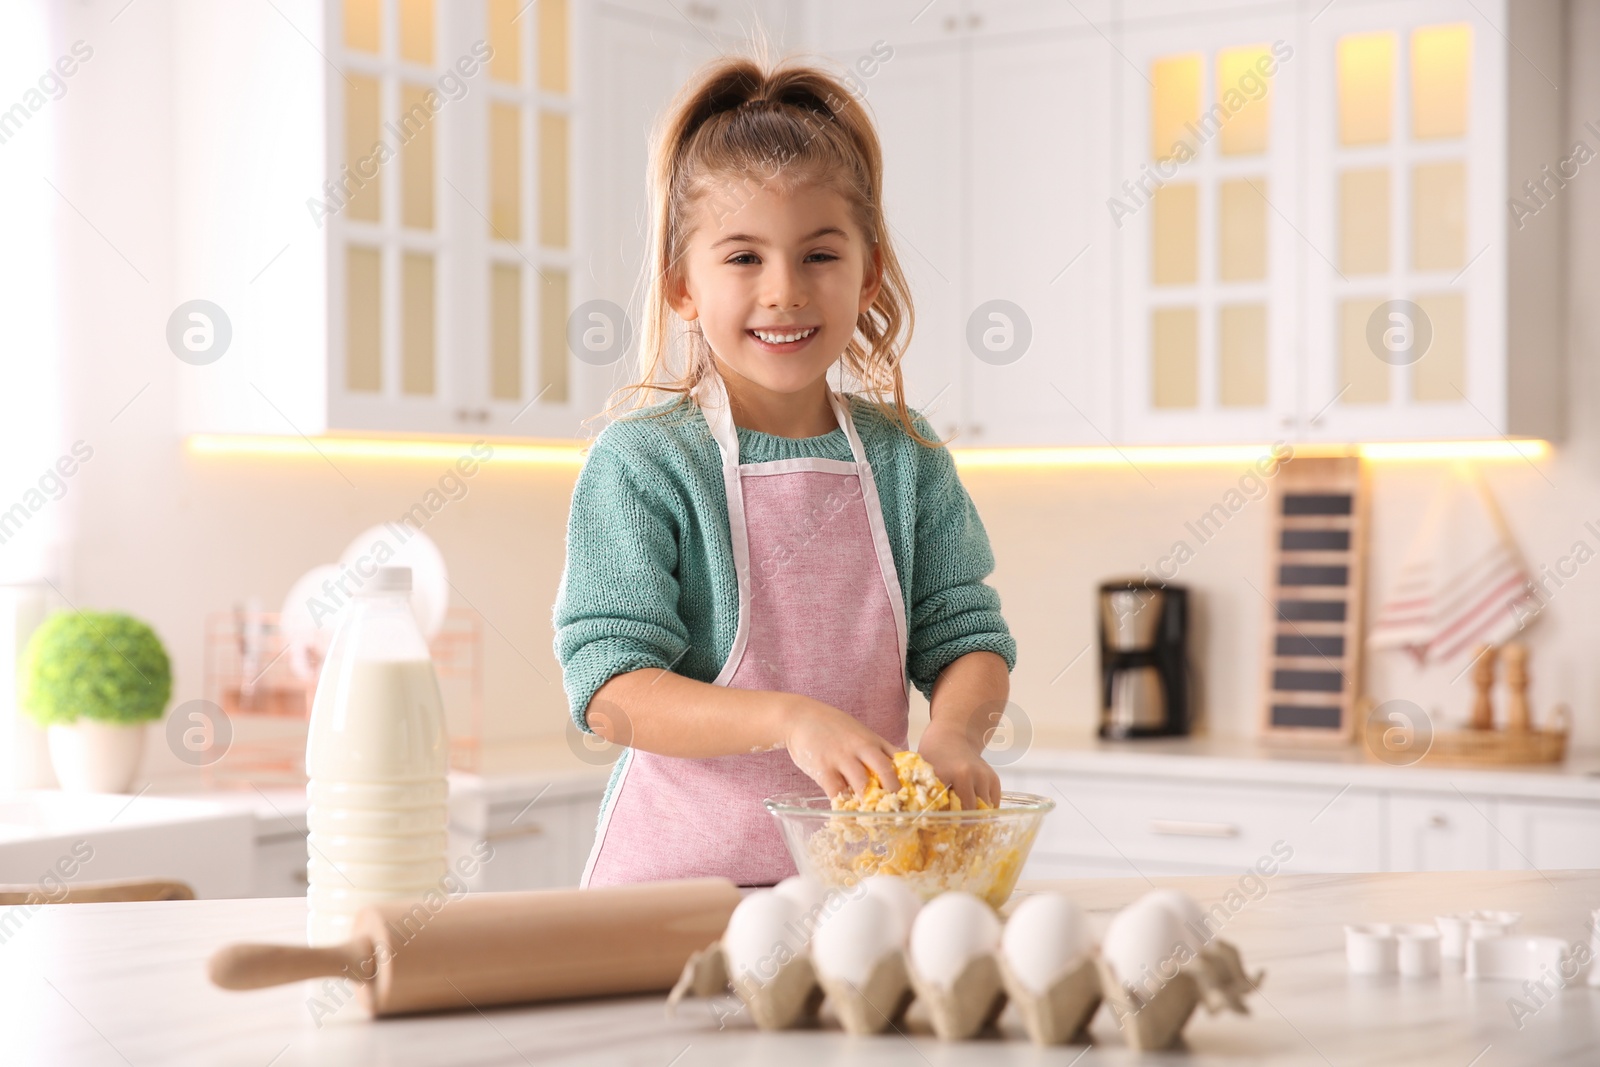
x=854 y=939
x=1045 y=937
x=951 y=930
x=898 y=896
x=763 y=932
x=1196 y=930
x=1144 y=945
x=803 y=889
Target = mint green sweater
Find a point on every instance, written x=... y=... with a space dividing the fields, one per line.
x=649 y=578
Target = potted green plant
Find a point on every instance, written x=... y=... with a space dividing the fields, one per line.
x=94 y=680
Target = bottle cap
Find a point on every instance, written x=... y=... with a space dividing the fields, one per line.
x=389 y=580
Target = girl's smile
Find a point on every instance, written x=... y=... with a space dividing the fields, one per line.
x=783 y=339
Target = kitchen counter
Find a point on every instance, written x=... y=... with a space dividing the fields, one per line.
x=1248 y=760
x=540 y=824
x=280 y=809
x=89 y=984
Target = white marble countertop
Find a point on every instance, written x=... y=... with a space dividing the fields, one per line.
x=120 y=984
x=1248 y=760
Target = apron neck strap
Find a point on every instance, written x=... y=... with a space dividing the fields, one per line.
x=712 y=395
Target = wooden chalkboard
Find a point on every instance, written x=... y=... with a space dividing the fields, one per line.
x=1314 y=619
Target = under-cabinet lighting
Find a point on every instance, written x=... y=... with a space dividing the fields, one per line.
x=561 y=453
x=1228 y=455
x=432 y=450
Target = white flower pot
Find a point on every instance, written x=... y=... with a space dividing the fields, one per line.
x=96 y=757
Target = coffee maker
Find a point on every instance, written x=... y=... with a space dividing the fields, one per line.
x=1144 y=665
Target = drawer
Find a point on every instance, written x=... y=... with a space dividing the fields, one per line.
x=850 y=27
x=1050 y=866
x=530 y=848
x=280 y=866
x=1443 y=832
x=1548 y=835
x=1201 y=823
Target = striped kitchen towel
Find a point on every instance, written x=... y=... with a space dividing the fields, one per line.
x=1463 y=579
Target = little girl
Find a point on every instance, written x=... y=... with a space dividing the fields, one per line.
x=755 y=568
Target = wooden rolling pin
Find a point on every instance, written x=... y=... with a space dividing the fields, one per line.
x=504 y=948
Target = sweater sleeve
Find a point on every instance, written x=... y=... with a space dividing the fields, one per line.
x=953 y=611
x=616 y=607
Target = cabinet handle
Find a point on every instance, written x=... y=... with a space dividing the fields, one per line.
x=950 y=24
x=974 y=21
x=1438 y=822
x=300 y=877
x=1286 y=421
x=531 y=829
x=1182 y=828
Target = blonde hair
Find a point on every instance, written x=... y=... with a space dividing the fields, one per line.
x=739 y=122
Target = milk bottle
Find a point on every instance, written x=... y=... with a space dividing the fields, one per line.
x=376 y=760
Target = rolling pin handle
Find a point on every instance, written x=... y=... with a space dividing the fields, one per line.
x=258 y=966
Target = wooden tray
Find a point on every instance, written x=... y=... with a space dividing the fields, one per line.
x=1485 y=748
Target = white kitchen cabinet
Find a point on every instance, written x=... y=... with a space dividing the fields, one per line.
x=1126 y=812
x=1037 y=237
x=528 y=838
x=843 y=28
x=837 y=25
x=511 y=832
x=1396 y=299
x=643 y=56
x=1227 y=297
x=1010 y=128
x=914 y=98
x=531 y=853
x=451 y=293
x=1547 y=835
x=280 y=864
x=1169 y=825
x=1437 y=832
x=387 y=225
x=643 y=53
x=1031 y=18
x=1412 y=193
x=996 y=208
x=1208 y=254
x=729 y=19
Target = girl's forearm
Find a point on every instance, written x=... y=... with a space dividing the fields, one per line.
x=969 y=696
x=658 y=711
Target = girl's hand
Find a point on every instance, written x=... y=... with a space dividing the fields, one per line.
x=960 y=765
x=834 y=749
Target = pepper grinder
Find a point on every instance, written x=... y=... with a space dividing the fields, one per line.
x=1483 y=681
x=1518 y=718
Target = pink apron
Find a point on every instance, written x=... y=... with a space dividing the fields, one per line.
x=820 y=613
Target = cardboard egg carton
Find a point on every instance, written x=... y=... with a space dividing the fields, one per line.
x=1152 y=1019
x=974 y=1000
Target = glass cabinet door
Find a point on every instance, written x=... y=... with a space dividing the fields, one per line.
x=1203 y=218
x=381 y=209
x=1405 y=311
x=451 y=216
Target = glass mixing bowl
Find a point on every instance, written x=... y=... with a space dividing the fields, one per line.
x=980 y=851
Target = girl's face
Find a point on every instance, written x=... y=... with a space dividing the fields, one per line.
x=781 y=265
